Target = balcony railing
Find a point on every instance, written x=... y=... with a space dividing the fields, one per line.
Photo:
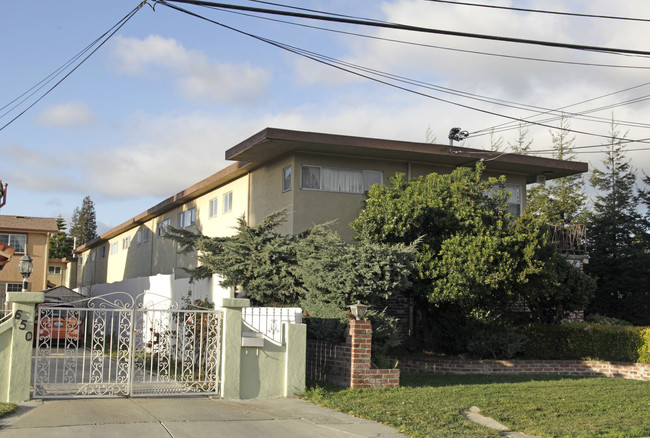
x=569 y=239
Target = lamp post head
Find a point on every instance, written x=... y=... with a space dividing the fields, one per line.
x=358 y=310
x=25 y=267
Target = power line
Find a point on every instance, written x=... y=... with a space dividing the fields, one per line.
x=397 y=26
x=340 y=65
x=542 y=11
x=411 y=43
x=52 y=75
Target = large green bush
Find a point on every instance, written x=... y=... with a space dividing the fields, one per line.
x=582 y=340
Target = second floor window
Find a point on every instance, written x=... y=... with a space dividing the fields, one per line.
x=164 y=226
x=126 y=242
x=227 y=202
x=286 y=179
x=332 y=179
x=114 y=248
x=54 y=270
x=214 y=207
x=16 y=241
x=187 y=218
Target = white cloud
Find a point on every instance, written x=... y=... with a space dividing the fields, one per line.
x=66 y=115
x=198 y=78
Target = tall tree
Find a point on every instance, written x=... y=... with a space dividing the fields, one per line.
x=618 y=257
x=521 y=145
x=562 y=200
x=61 y=245
x=84 y=222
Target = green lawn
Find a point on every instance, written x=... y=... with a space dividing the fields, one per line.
x=430 y=405
x=7 y=408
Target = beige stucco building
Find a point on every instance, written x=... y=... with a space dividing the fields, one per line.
x=316 y=177
x=31 y=234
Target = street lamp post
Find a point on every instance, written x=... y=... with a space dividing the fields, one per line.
x=25 y=267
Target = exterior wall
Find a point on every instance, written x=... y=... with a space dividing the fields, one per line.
x=349 y=364
x=57 y=279
x=38 y=248
x=266 y=195
x=316 y=207
x=582 y=368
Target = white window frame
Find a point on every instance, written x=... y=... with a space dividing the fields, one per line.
x=11 y=241
x=187 y=218
x=138 y=237
x=214 y=207
x=145 y=235
x=227 y=202
x=54 y=270
x=514 y=203
x=364 y=179
x=126 y=242
x=286 y=179
x=164 y=226
x=114 y=248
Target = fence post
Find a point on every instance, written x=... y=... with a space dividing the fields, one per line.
x=231 y=345
x=16 y=348
x=360 y=336
x=296 y=359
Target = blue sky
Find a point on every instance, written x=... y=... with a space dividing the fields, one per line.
x=154 y=109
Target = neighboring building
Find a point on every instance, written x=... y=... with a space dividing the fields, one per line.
x=31 y=234
x=57 y=272
x=317 y=177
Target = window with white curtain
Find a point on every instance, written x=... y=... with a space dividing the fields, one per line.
x=514 y=200
x=332 y=179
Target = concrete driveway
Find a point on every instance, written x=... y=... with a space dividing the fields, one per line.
x=185 y=417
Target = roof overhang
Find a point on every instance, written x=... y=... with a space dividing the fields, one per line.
x=273 y=143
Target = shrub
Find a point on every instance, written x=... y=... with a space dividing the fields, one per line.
x=496 y=342
x=581 y=340
x=602 y=319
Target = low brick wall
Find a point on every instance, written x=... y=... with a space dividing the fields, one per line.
x=349 y=364
x=583 y=368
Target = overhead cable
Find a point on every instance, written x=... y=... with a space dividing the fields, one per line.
x=106 y=36
x=340 y=65
x=542 y=11
x=397 y=26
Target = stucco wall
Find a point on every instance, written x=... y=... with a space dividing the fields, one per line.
x=37 y=247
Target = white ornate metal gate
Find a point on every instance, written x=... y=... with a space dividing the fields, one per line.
x=111 y=346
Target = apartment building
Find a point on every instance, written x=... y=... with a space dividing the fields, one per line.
x=316 y=177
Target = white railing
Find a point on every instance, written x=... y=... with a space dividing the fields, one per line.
x=268 y=320
x=5 y=315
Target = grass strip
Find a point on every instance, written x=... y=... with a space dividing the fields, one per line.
x=7 y=409
x=429 y=405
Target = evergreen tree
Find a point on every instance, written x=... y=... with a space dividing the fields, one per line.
x=521 y=144
x=61 y=245
x=618 y=257
x=84 y=222
x=560 y=201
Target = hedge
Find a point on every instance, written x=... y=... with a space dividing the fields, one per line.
x=587 y=341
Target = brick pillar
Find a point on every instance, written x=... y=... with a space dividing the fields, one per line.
x=360 y=339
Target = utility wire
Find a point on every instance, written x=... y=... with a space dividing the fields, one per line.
x=542 y=11
x=411 y=43
x=397 y=26
x=327 y=61
x=114 y=29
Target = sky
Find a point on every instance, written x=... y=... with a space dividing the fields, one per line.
x=154 y=109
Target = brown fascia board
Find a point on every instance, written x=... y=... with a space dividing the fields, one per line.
x=271 y=143
x=210 y=183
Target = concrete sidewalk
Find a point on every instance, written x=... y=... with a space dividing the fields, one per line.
x=185 y=417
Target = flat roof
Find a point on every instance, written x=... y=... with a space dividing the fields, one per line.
x=272 y=143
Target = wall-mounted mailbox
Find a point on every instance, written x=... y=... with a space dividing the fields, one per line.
x=250 y=339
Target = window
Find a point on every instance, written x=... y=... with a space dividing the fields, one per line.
x=14 y=287
x=103 y=251
x=164 y=226
x=286 y=179
x=213 y=207
x=514 y=200
x=187 y=218
x=114 y=248
x=16 y=241
x=126 y=242
x=227 y=202
x=145 y=235
x=331 y=179
x=138 y=237
x=92 y=256
x=81 y=260
x=54 y=270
